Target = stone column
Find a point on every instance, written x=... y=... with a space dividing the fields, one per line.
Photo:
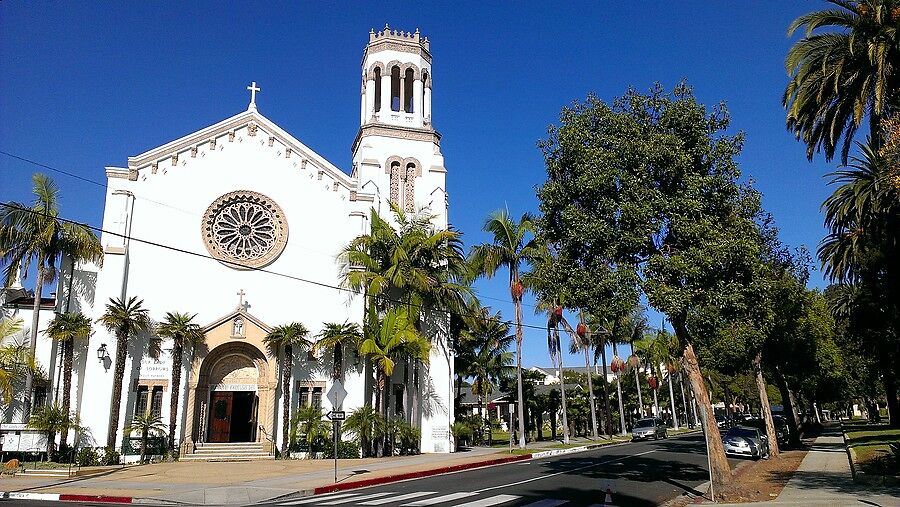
x=190 y=434
x=426 y=110
x=362 y=106
x=417 y=101
x=385 y=96
x=370 y=99
x=402 y=93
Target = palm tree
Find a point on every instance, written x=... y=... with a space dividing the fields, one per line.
x=66 y=328
x=337 y=336
x=860 y=251
x=512 y=249
x=309 y=424
x=126 y=319
x=387 y=340
x=146 y=424
x=491 y=360
x=16 y=361
x=180 y=327
x=362 y=422
x=840 y=76
x=286 y=337
x=52 y=419
x=37 y=234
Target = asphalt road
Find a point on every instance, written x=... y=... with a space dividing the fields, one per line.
x=638 y=474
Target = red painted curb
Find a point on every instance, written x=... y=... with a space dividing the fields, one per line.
x=95 y=498
x=415 y=475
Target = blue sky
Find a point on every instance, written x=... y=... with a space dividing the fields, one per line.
x=86 y=85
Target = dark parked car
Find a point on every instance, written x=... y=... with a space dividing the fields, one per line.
x=782 y=433
x=746 y=441
x=651 y=427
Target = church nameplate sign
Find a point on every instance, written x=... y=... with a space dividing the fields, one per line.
x=233 y=387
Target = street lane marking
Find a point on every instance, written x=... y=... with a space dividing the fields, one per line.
x=592 y=465
x=408 y=496
x=547 y=502
x=494 y=500
x=319 y=499
x=356 y=498
x=439 y=499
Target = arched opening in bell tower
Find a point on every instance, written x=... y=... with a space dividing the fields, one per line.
x=377 y=89
x=395 y=88
x=408 y=90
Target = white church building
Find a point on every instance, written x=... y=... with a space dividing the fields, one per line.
x=241 y=224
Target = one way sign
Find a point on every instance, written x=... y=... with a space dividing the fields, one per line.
x=336 y=415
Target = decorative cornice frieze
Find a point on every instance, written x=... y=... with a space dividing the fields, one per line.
x=396 y=132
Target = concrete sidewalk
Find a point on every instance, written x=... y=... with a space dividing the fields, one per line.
x=220 y=483
x=824 y=478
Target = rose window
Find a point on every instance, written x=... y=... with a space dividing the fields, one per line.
x=245 y=229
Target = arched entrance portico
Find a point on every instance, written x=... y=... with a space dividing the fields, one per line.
x=232 y=398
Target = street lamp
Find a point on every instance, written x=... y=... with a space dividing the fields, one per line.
x=102 y=353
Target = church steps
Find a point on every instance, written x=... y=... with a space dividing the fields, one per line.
x=231 y=451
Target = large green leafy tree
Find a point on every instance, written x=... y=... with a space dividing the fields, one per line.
x=285 y=338
x=67 y=329
x=37 y=234
x=647 y=189
x=861 y=250
x=183 y=331
x=125 y=319
x=843 y=74
x=513 y=247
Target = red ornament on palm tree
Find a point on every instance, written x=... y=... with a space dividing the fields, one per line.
x=654 y=382
x=617 y=365
x=557 y=312
x=581 y=329
x=517 y=290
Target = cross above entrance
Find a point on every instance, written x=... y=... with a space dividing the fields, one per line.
x=253 y=89
x=241 y=295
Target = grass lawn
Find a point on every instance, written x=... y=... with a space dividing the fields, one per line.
x=872 y=445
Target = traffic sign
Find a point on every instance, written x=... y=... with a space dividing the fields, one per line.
x=336 y=415
x=336 y=394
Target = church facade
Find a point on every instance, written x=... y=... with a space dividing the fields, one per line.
x=241 y=224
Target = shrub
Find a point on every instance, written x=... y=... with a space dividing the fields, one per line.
x=409 y=437
x=111 y=456
x=347 y=449
x=86 y=457
x=462 y=433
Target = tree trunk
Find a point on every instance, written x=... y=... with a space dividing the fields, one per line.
x=118 y=380
x=764 y=405
x=562 y=390
x=521 y=408
x=68 y=352
x=552 y=426
x=619 y=394
x=286 y=399
x=608 y=415
x=719 y=469
x=890 y=392
x=177 y=352
x=637 y=383
x=655 y=402
x=144 y=436
x=480 y=419
x=587 y=367
x=672 y=400
x=684 y=406
x=32 y=344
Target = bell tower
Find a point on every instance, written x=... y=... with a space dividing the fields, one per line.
x=396 y=154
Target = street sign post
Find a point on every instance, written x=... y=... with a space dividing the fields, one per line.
x=336 y=395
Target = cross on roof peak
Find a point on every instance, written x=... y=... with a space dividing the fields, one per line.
x=253 y=89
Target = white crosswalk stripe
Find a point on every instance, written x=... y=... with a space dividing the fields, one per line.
x=408 y=496
x=493 y=500
x=440 y=499
x=319 y=498
x=547 y=502
x=356 y=498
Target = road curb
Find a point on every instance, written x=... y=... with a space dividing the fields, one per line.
x=62 y=497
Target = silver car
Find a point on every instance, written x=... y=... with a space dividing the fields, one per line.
x=746 y=441
x=651 y=427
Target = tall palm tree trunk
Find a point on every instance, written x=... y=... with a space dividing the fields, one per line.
x=286 y=399
x=619 y=394
x=590 y=373
x=637 y=383
x=672 y=401
x=655 y=403
x=521 y=408
x=764 y=405
x=68 y=352
x=562 y=389
x=174 y=393
x=118 y=380
x=607 y=416
x=684 y=406
x=32 y=343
